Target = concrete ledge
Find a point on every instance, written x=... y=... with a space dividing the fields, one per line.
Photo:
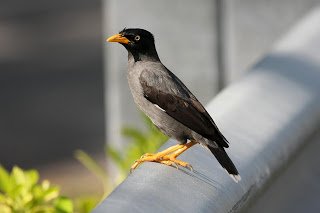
x=267 y=116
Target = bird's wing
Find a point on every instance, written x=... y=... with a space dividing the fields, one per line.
x=167 y=92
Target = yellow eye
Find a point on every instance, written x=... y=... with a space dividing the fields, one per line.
x=137 y=38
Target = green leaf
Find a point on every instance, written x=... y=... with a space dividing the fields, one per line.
x=86 y=204
x=23 y=194
x=115 y=156
x=38 y=193
x=147 y=121
x=91 y=164
x=134 y=134
x=17 y=176
x=50 y=194
x=4 y=180
x=5 y=209
x=42 y=209
x=32 y=177
x=17 y=191
x=63 y=205
x=45 y=185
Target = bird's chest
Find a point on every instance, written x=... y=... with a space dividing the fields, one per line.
x=136 y=88
x=151 y=110
x=134 y=72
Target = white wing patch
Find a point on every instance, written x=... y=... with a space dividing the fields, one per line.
x=156 y=105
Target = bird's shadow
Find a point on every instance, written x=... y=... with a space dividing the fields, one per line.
x=200 y=176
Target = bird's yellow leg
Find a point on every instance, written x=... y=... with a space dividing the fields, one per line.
x=156 y=157
x=163 y=153
x=167 y=157
x=171 y=158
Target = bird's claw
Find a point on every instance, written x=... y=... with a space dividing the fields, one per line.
x=169 y=163
x=188 y=166
x=134 y=166
x=175 y=165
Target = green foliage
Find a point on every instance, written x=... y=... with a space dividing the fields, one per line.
x=140 y=143
x=85 y=204
x=20 y=192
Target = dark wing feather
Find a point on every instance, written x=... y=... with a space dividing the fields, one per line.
x=169 y=93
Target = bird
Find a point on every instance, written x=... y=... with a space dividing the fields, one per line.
x=169 y=104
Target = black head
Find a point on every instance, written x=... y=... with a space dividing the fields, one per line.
x=139 y=42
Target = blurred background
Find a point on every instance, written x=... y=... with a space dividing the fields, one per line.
x=63 y=88
x=51 y=69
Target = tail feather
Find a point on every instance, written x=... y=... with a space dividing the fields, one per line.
x=225 y=162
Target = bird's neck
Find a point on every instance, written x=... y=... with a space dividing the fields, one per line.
x=138 y=56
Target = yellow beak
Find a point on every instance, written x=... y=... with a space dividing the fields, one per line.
x=118 y=38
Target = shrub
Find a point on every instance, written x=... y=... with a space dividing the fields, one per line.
x=21 y=192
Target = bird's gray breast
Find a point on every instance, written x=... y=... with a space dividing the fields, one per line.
x=134 y=72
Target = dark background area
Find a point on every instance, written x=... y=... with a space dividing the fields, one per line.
x=51 y=96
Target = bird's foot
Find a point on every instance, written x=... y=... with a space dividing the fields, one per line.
x=148 y=157
x=169 y=160
x=167 y=157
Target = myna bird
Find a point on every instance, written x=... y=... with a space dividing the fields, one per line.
x=169 y=104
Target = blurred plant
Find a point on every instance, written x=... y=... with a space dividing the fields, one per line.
x=85 y=204
x=140 y=143
x=21 y=192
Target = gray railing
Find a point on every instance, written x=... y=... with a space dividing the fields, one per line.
x=267 y=116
